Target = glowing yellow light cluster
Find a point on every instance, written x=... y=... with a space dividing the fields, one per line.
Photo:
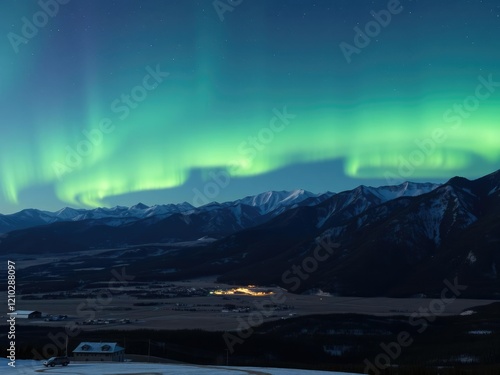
x=242 y=290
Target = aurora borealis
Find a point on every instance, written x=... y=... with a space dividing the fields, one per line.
x=115 y=102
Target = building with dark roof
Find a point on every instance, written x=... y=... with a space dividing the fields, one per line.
x=99 y=351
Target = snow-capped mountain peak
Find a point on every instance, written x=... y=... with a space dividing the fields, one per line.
x=271 y=200
x=406 y=189
x=66 y=213
x=139 y=206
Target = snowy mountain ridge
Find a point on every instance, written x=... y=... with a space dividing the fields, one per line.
x=270 y=202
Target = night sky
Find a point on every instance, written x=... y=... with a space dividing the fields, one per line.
x=106 y=103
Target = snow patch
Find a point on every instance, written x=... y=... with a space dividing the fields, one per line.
x=336 y=350
x=89 y=269
x=467 y=312
x=480 y=332
x=464 y=358
x=30 y=367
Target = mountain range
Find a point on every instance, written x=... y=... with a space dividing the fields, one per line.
x=272 y=201
x=402 y=240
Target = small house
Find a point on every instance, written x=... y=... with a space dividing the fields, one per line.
x=99 y=351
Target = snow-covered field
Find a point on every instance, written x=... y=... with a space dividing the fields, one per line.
x=24 y=367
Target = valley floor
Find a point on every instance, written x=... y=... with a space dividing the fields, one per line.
x=191 y=306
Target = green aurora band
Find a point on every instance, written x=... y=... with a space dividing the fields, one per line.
x=132 y=157
x=388 y=115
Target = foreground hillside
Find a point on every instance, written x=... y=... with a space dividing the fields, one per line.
x=76 y=368
x=464 y=344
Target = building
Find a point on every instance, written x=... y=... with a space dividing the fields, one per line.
x=99 y=351
x=28 y=314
